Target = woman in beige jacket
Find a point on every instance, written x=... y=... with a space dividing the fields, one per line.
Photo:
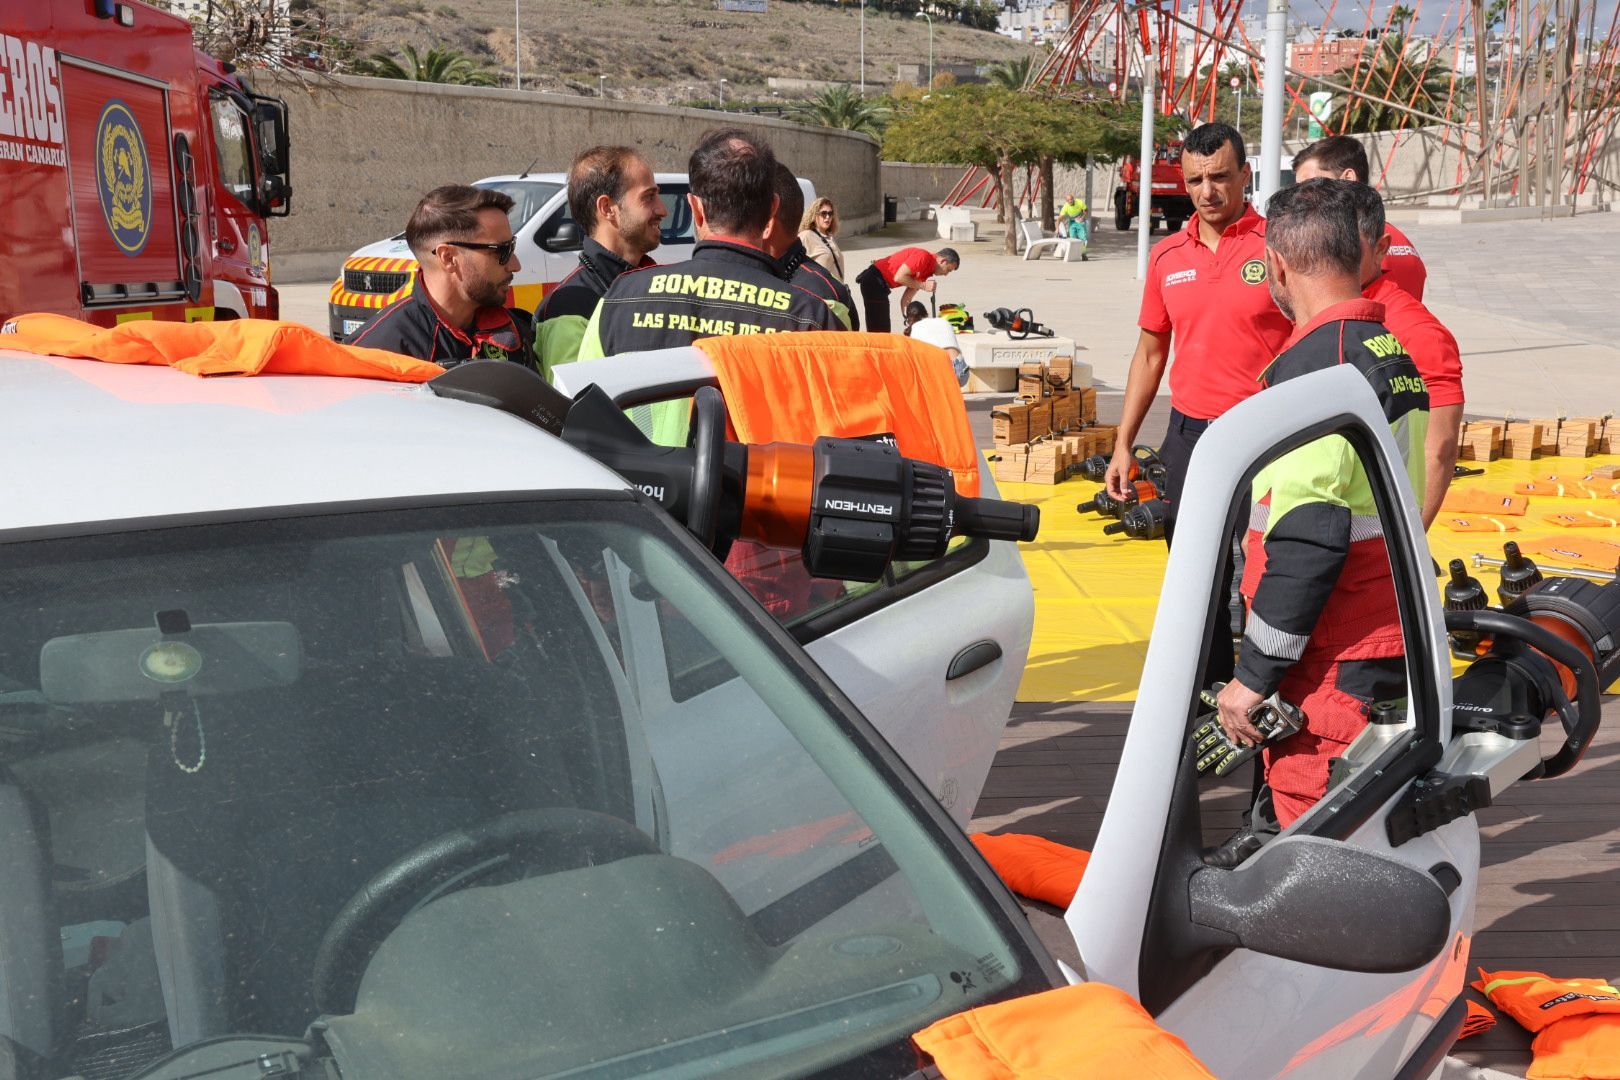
x=816 y=233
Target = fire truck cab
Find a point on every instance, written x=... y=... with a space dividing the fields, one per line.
x=1170 y=204
x=138 y=171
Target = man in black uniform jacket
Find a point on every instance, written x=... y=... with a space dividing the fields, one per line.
x=456 y=309
x=782 y=241
x=731 y=285
x=614 y=198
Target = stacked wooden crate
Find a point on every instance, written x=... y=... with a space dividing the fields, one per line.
x=1044 y=435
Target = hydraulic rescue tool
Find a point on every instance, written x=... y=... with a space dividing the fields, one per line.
x=1144 y=521
x=1214 y=752
x=851 y=506
x=1018 y=324
x=1463 y=592
x=1518 y=572
x=1146 y=465
x=1108 y=506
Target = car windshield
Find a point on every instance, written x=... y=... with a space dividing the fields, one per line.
x=414 y=790
x=529 y=197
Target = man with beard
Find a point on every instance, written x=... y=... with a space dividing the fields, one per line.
x=456 y=310
x=614 y=199
x=1324 y=625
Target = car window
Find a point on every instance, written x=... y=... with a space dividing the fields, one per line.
x=529 y=197
x=232 y=147
x=677 y=227
x=218 y=739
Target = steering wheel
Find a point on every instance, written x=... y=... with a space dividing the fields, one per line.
x=708 y=456
x=553 y=839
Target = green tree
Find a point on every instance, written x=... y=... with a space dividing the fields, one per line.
x=997 y=130
x=841 y=107
x=1396 y=70
x=434 y=66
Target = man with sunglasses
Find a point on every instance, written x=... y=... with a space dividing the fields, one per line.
x=456 y=308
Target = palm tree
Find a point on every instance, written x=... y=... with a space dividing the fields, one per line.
x=841 y=107
x=1395 y=70
x=1010 y=74
x=434 y=66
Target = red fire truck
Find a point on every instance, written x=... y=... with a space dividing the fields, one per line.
x=1171 y=203
x=136 y=171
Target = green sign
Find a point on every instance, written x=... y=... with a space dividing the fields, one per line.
x=1321 y=106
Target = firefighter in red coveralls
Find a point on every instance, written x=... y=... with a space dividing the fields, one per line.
x=1324 y=629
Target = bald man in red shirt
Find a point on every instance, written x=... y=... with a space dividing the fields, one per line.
x=1339 y=157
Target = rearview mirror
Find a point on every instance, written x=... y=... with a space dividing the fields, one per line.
x=118 y=666
x=1317 y=901
x=565 y=237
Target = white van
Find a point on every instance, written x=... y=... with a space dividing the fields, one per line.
x=548 y=242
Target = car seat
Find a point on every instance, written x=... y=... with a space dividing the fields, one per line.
x=31 y=982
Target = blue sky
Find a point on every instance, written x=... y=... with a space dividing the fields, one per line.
x=1351 y=14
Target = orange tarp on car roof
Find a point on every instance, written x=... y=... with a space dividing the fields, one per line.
x=794 y=387
x=232 y=347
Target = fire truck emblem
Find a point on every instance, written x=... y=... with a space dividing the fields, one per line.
x=123 y=177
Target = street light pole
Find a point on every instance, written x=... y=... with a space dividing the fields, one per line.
x=1144 y=185
x=601 y=86
x=925 y=15
x=863 y=47
x=722 y=95
x=517 y=40
x=1271 y=100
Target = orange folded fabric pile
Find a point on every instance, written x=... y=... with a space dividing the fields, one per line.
x=1479 y=1020
x=1475 y=501
x=1576 y=1022
x=1033 y=866
x=1085 y=1030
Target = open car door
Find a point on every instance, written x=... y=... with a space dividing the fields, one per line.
x=1341 y=947
x=932 y=653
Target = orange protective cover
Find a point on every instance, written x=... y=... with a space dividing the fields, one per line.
x=1584 y=520
x=1476 y=501
x=232 y=347
x=794 y=387
x=1476 y=524
x=1536 y=1000
x=1593 y=552
x=1579 y=1048
x=1084 y=1030
x=1479 y=1019
x=1034 y=866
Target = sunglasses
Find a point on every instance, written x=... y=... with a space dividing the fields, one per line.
x=503 y=250
x=824 y=213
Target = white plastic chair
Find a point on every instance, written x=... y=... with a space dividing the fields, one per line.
x=1067 y=249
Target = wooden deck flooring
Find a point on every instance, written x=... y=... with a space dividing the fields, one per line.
x=1550 y=862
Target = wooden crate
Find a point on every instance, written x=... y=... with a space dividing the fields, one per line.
x=1065 y=412
x=1009 y=425
x=1046 y=464
x=1481 y=440
x=1040 y=420
x=1088 y=405
x=1522 y=440
x=1060 y=374
x=1032 y=381
x=1549 y=433
x=1577 y=443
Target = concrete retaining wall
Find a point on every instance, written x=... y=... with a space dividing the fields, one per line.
x=366 y=150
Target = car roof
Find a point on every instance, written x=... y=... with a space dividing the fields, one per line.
x=562 y=178
x=88 y=441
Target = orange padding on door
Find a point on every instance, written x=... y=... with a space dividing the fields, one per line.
x=1034 y=866
x=795 y=387
x=1085 y=1030
x=232 y=347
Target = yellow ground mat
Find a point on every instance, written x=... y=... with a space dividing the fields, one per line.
x=1096 y=595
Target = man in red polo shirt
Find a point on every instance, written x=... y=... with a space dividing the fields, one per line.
x=1429 y=344
x=1339 y=157
x=912 y=269
x=1206 y=294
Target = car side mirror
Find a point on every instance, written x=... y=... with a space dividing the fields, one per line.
x=565 y=237
x=1321 y=902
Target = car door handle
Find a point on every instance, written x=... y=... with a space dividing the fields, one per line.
x=972 y=658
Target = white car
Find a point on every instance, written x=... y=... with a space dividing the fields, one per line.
x=548 y=243
x=347 y=728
